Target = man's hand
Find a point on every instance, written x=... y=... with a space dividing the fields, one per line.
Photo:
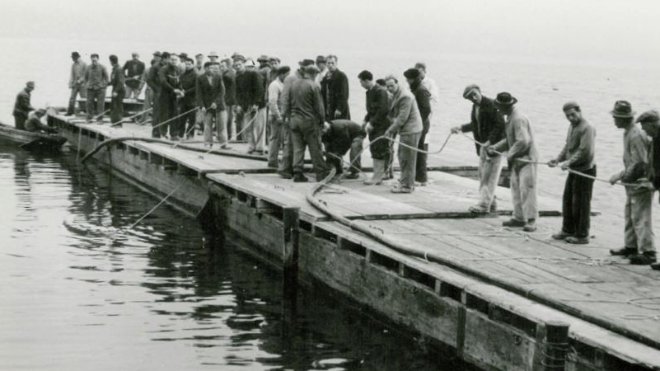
x=553 y=163
x=368 y=128
x=564 y=165
x=254 y=108
x=114 y=94
x=490 y=151
x=213 y=106
x=337 y=113
x=614 y=178
x=456 y=130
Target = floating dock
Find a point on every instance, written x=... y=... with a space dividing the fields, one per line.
x=501 y=298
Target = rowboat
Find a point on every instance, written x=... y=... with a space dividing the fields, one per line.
x=30 y=140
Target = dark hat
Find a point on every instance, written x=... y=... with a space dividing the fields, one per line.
x=570 y=105
x=238 y=57
x=183 y=56
x=199 y=55
x=649 y=116
x=505 y=99
x=283 y=70
x=622 y=108
x=311 y=69
x=29 y=83
x=321 y=59
x=469 y=89
x=94 y=55
x=262 y=58
x=213 y=54
x=165 y=55
x=411 y=73
x=306 y=62
x=156 y=54
x=75 y=55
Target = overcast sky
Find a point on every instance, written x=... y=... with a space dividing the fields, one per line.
x=573 y=29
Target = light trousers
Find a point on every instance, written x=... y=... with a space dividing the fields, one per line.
x=215 y=120
x=638 y=230
x=489 y=172
x=408 y=159
x=255 y=134
x=523 y=192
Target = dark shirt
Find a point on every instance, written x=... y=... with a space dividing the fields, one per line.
x=169 y=79
x=22 y=105
x=339 y=137
x=423 y=98
x=34 y=124
x=250 y=90
x=133 y=70
x=377 y=108
x=117 y=79
x=210 y=92
x=580 y=146
x=654 y=158
x=152 y=78
x=487 y=126
x=335 y=93
x=189 y=87
x=306 y=101
x=229 y=79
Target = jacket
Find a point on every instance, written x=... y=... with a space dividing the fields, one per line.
x=153 y=78
x=286 y=92
x=22 y=105
x=96 y=77
x=306 y=101
x=335 y=94
x=423 y=99
x=117 y=79
x=169 y=79
x=377 y=108
x=486 y=123
x=250 y=90
x=133 y=71
x=519 y=140
x=210 y=92
x=339 y=137
x=580 y=145
x=229 y=79
x=405 y=114
x=77 y=73
x=189 y=87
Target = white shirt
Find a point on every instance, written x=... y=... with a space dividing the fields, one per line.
x=432 y=87
x=274 y=92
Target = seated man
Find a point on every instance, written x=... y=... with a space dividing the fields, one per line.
x=34 y=123
x=338 y=137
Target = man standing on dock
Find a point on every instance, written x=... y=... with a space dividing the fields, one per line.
x=407 y=122
x=151 y=93
x=189 y=100
x=375 y=124
x=423 y=99
x=96 y=81
x=577 y=155
x=521 y=157
x=335 y=91
x=170 y=93
x=22 y=105
x=117 y=82
x=229 y=80
x=134 y=70
x=210 y=99
x=650 y=121
x=487 y=127
x=251 y=102
x=638 y=233
x=76 y=82
x=275 y=119
x=307 y=118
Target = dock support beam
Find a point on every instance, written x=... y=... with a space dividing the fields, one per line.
x=553 y=347
x=290 y=238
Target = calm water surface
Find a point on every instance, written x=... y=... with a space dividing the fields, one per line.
x=80 y=292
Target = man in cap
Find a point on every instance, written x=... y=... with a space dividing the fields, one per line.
x=487 y=127
x=76 y=82
x=96 y=81
x=189 y=101
x=275 y=118
x=152 y=92
x=407 y=122
x=274 y=63
x=521 y=156
x=422 y=97
x=307 y=118
x=264 y=68
x=229 y=79
x=34 y=124
x=650 y=122
x=323 y=69
x=376 y=122
x=335 y=88
x=338 y=137
x=638 y=232
x=199 y=64
x=118 y=90
x=213 y=57
x=134 y=71
x=22 y=105
x=168 y=99
x=578 y=155
x=210 y=97
x=285 y=169
x=251 y=105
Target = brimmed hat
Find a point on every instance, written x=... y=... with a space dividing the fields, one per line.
x=649 y=116
x=249 y=63
x=156 y=54
x=262 y=58
x=75 y=55
x=213 y=54
x=469 y=89
x=306 y=62
x=622 y=108
x=311 y=69
x=411 y=73
x=505 y=99
x=238 y=57
x=321 y=59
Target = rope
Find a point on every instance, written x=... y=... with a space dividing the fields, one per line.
x=156 y=207
x=94 y=118
x=233 y=137
x=578 y=173
x=126 y=119
x=174 y=118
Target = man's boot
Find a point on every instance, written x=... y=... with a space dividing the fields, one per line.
x=379 y=173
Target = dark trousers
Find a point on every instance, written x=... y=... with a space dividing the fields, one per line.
x=75 y=90
x=307 y=133
x=117 y=106
x=95 y=102
x=420 y=172
x=168 y=108
x=335 y=155
x=20 y=121
x=230 y=121
x=576 y=208
x=155 y=96
x=189 y=119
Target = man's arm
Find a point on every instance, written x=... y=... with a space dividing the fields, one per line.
x=522 y=140
x=318 y=99
x=220 y=102
x=405 y=106
x=273 y=97
x=164 y=81
x=342 y=94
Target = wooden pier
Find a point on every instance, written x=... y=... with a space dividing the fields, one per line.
x=503 y=299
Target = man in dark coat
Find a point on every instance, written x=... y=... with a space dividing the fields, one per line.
x=189 y=100
x=376 y=123
x=134 y=70
x=334 y=88
x=229 y=80
x=210 y=98
x=338 y=137
x=170 y=93
x=487 y=127
x=423 y=98
x=153 y=81
x=22 y=105
x=251 y=101
x=118 y=90
x=650 y=121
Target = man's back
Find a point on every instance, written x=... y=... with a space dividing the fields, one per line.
x=306 y=100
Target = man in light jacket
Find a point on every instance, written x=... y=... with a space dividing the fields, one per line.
x=76 y=82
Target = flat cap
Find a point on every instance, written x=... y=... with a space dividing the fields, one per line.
x=649 y=116
x=411 y=73
x=306 y=62
x=469 y=89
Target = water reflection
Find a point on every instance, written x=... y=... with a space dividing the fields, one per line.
x=79 y=288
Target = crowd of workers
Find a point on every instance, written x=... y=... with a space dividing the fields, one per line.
x=307 y=109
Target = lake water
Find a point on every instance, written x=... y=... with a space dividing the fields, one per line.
x=92 y=296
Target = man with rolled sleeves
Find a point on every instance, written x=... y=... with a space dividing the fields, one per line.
x=407 y=122
x=521 y=156
x=650 y=122
x=275 y=117
x=96 y=81
x=639 y=244
x=134 y=70
x=578 y=155
x=487 y=127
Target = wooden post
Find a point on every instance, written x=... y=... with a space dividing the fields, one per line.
x=290 y=244
x=554 y=347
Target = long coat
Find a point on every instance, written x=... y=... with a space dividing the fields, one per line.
x=488 y=126
x=210 y=92
x=334 y=88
